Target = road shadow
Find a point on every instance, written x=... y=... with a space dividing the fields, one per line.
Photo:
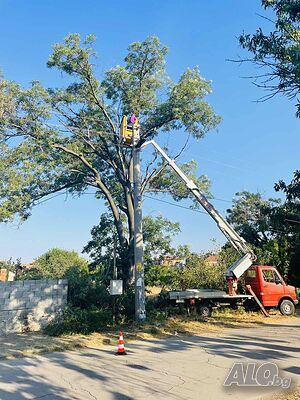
x=16 y=383
x=78 y=376
x=229 y=346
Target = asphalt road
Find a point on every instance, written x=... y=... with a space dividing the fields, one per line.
x=175 y=368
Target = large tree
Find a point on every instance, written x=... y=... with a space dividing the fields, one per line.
x=67 y=139
x=276 y=49
x=250 y=215
x=289 y=219
x=271 y=227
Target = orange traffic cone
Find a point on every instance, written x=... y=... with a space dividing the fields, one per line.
x=121 y=348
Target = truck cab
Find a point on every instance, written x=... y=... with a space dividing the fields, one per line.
x=270 y=288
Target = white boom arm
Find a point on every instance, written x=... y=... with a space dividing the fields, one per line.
x=239 y=267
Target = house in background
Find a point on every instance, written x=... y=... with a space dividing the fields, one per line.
x=212 y=260
x=6 y=275
x=173 y=261
x=27 y=266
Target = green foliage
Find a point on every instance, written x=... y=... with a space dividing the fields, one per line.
x=84 y=289
x=157 y=234
x=89 y=290
x=287 y=219
x=291 y=190
x=125 y=306
x=77 y=320
x=226 y=256
x=161 y=275
x=160 y=309
x=58 y=263
x=95 y=314
x=250 y=216
x=278 y=49
x=135 y=84
x=38 y=158
x=276 y=252
x=271 y=227
x=196 y=274
x=101 y=246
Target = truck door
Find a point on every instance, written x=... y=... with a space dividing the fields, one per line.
x=272 y=287
x=251 y=279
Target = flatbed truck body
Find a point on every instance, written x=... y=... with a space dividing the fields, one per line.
x=266 y=284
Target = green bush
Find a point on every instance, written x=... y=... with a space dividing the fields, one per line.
x=125 y=306
x=197 y=273
x=95 y=311
x=77 y=320
x=56 y=264
x=160 y=275
x=88 y=291
x=159 y=308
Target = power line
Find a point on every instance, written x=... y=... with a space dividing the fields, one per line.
x=176 y=205
x=59 y=194
x=292 y=220
x=216 y=198
x=148 y=197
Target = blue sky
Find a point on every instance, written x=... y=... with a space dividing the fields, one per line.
x=255 y=145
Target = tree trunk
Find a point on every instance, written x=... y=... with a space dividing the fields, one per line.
x=126 y=255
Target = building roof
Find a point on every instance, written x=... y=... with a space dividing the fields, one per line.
x=212 y=259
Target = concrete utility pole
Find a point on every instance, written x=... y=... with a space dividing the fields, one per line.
x=140 y=311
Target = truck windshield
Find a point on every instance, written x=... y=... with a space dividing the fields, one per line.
x=270 y=276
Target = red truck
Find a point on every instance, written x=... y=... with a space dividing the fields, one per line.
x=267 y=290
x=264 y=284
x=270 y=288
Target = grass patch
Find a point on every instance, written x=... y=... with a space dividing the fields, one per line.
x=293 y=395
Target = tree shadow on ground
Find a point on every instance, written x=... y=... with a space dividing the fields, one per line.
x=229 y=346
x=76 y=376
x=18 y=384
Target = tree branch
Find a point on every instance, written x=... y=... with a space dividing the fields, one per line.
x=102 y=108
x=101 y=185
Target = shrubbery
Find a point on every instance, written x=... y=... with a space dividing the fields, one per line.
x=77 y=320
x=95 y=316
x=196 y=274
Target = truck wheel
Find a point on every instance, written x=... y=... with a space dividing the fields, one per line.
x=250 y=305
x=287 y=307
x=205 y=310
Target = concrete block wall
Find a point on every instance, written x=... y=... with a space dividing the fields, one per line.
x=30 y=305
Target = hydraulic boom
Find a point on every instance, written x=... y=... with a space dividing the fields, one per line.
x=237 y=269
